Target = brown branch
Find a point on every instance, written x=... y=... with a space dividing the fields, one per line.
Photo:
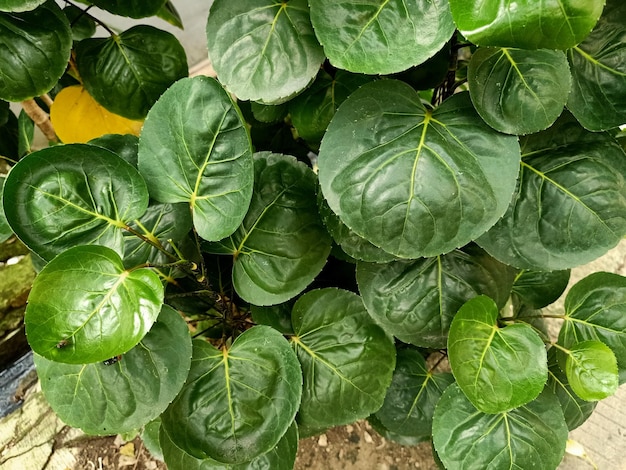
x=40 y=118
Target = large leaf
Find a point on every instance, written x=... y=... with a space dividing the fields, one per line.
x=413 y=181
x=591 y=370
x=595 y=309
x=263 y=50
x=416 y=300
x=410 y=400
x=381 y=37
x=238 y=402
x=518 y=91
x=131 y=8
x=34 y=51
x=125 y=395
x=598 y=98
x=549 y=24
x=497 y=368
x=69 y=195
x=538 y=289
x=19 y=5
x=84 y=307
x=194 y=148
x=570 y=204
x=127 y=73
x=347 y=360
x=282 y=244
x=532 y=436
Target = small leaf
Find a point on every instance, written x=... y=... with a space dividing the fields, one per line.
x=131 y=8
x=497 y=368
x=19 y=5
x=5 y=228
x=269 y=113
x=169 y=13
x=26 y=134
x=84 y=307
x=83 y=26
x=591 y=370
x=150 y=438
x=538 y=289
x=392 y=436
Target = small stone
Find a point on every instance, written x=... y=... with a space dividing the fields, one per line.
x=322 y=441
x=368 y=437
x=349 y=428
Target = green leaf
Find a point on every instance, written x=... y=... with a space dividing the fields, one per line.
x=263 y=50
x=127 y=73
x=282 y=244
x=415 y=301
x=412 y=181
x=83 y=26
x=532 y=436
x=26 y=134
x=550 y=24
x=570 y=204
x=497 y=368
x=169 y=13
x=194 y=148
x=410 y=400
x=276 y=316
x=347 y=360
x=238 y=402
x=591 y=369
x=34 y=50
x=392 y=436
x=72 y=195
x=19 y=5
x=131 y=8
x=150 y=438
x=123 y=145
x=595 y=309
x=123 y=396
x=518 y=91
x=84 y=307
x=538 y=289
x=9 y=137
x=381 y=37
x=269 y=113
x=598 y=98
x=5 y=228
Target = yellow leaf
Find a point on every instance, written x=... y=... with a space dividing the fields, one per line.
x=77 y=117
x=128 y=449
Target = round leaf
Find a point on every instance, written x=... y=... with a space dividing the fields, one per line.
x=263 y=50
x=19 y=5
x=381 y=37
x=194 y=148
x=238 y=402
x=591 y=370
x=570 y=204
x=125 y=395
x=34 y=50
x=549 y=24
x=347 y=360
x=127 y=73
x=538 y=289
x=84 y=307
x=497 y=368
x=517 y=91
x=69 y=195
x=532 y=436
x=412 y=181
x=131 y=8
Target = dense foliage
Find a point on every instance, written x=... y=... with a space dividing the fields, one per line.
x=369 y=191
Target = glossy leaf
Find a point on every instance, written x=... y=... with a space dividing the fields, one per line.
x=169 y=13
x=19 y=5
x=263 y=50
x=5 y=228
x=591 y=370
x=497 y=368
x=282 y=244
x=595 y=309
x=570 y=204
x=394 y=437
x=26 y=134
x=70 y=195
x=276 y=316
x=131 y=8
x=127 y=73
x=84 y=307
x=518 y=91
x=415 y=301
x=269 y=113
x=410 y=400
x=34 y=50
x=238 y=402
x=82 y=25
x=125 y=146
x=532 y=436
x=194 y=148
x=413 y=181
x=538 y=289
x=347 y=360
x=381 y=37
x=120 y=397
x=548 y=24
x=598 y=98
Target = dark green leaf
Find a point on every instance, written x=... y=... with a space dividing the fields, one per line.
x=429 y=74
x=238 y=402
x=26 y=134
x=591 y=369
x=123 y=145
x=34 y=51
x=570 y=204
x=150 y=438
x=347 y=360
x=19 y=5
x=5 y=229
x=169 y=13
x=277 y=316
x=131 y=8
x=497 y=368
x=125 y=395
x=269 y=113
x=518 y=91
x=5 y=111
x=538 y=289
x=83 y=26
x=413 y=181
x=194 y=148
x=127 y=73
x=74 y=194
x=263 y=50
x=381 y=37
x=598 y=98
x=9 y=137
x=532 y=436
x=550 y=24
x=394 y=437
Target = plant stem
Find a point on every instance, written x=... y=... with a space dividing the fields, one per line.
x=40 y=118
x=85 y=12
x=152 y=243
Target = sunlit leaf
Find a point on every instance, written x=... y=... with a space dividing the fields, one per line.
x=591 y=370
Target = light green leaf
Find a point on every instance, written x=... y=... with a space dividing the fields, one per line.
x=19 y=5
x=591 y=369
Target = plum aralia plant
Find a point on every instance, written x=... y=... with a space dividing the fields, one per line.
x=369 y=191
